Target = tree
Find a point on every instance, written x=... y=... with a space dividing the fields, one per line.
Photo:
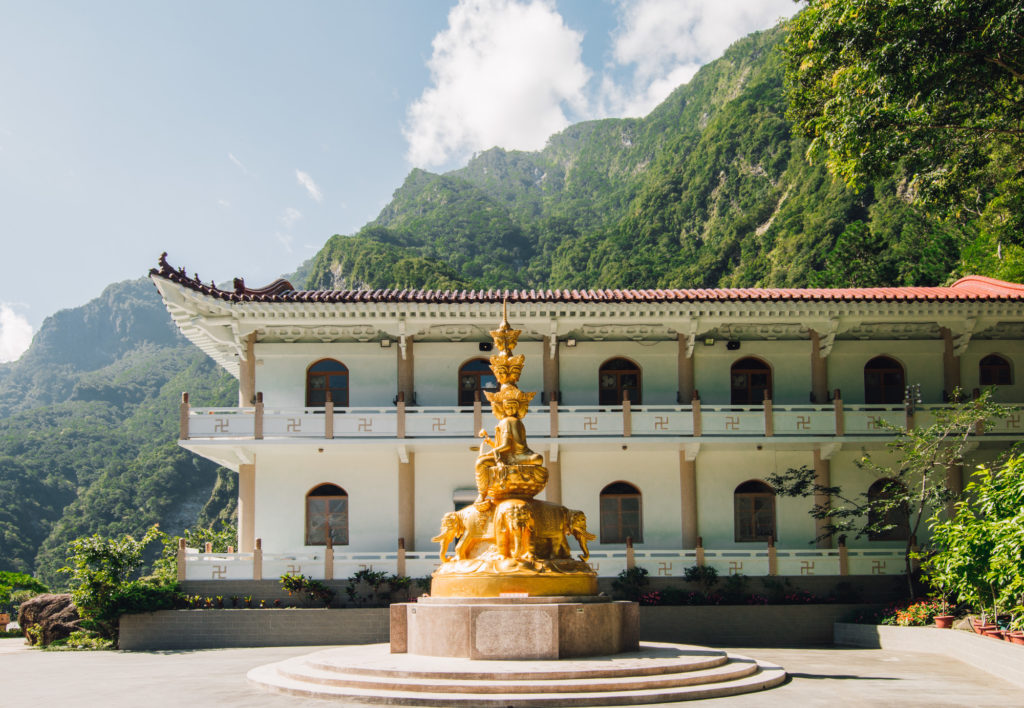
x=927 y=90
x=978 y=555
x=916 y=485
x=103 y=577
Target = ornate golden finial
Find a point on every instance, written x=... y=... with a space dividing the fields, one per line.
x=505 y=338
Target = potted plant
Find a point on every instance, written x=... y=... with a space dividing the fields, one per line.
x=943 y=620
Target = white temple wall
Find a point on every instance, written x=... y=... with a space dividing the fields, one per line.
x=789 y=362
x=1011 y=350
x=720 y=471
x=585 y=472
x=921 y=360
x=282 y=375
x=579 y=367
x=284 y=477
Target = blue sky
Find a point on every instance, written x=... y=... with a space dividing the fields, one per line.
x=240 y=135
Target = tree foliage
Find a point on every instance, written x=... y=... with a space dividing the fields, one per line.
x=930 y=91
x=978 y=555
x=105 y=584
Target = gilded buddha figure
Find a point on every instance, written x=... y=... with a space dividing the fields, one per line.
x=506 y=540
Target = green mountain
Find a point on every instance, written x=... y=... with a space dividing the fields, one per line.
x=88 y=430
x=710 y=189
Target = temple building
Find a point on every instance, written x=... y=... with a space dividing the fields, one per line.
x=659 y=413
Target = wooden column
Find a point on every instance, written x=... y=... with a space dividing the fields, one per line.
x=823 y=476
x=247 y=373
x=550 y=368
x=950 y=364
x=819 y=371
x=685 y=367
x=688 y=496
x=246 y=508
x=406 y=375
x=183 y=412
x=407 y=501
x=553 y=490
x=627 y=415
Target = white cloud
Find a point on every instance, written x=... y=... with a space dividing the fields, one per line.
x=290 y=216
x=306 y=181
x=667 y=41
x=503 y=73
x=224 y=203
x=15 y=334
x=286 y=241
x=238 y=163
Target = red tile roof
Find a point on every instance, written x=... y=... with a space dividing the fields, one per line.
x=972 y=287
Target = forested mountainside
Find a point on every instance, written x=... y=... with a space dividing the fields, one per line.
x=710 y=189
x=88 y=429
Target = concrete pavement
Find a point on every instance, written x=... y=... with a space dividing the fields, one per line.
x=820 y=676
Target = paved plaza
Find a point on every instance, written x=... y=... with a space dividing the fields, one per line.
x=820 y=676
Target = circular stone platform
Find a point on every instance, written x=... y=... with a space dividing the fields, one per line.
x=657 y=673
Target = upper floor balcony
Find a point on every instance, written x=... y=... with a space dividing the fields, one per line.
x=696 y=421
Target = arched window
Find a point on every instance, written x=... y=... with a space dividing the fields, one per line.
x=884 y=381
x=615 y=378
x=327 y=513
x=750 y=381
x=475 y=375
x=754 y=510
x=323 y=376
x=888 y=510
x=621 y=513
x=994 y=370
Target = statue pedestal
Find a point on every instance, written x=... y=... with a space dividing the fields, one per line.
x=514 y=628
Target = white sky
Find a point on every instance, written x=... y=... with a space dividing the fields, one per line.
x=239 y=135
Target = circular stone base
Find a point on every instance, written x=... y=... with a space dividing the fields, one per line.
x=656 y=673
x=497 y=584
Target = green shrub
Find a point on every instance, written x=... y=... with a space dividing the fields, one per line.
x=81 y=641
x=630 y=583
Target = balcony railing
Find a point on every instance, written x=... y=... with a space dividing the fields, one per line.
x=195 y=564
x=695 y=420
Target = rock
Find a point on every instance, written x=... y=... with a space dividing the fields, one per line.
x=55 y=615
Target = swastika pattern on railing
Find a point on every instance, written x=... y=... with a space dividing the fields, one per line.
x=735 y=567
x=365 y=425
x=1013 y=421
x=220 y=425
x=878 y=568
x=661 y=422
x=732 y=422
x=440 y=425
x=664 y=568
x=218 y=572
x=803 y=422
x=295 y=569
x=590 y=423
x=873 y=422
x=806 y=567
x=294 y=425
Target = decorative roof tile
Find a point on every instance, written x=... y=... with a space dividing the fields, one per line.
x=972 y=287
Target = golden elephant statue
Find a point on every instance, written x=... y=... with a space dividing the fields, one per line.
x=470 y=526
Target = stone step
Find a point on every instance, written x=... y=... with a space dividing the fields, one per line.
x=379 y=677
x=653 y=658
x=488 y=684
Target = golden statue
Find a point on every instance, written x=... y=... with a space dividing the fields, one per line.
x=508 y=542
